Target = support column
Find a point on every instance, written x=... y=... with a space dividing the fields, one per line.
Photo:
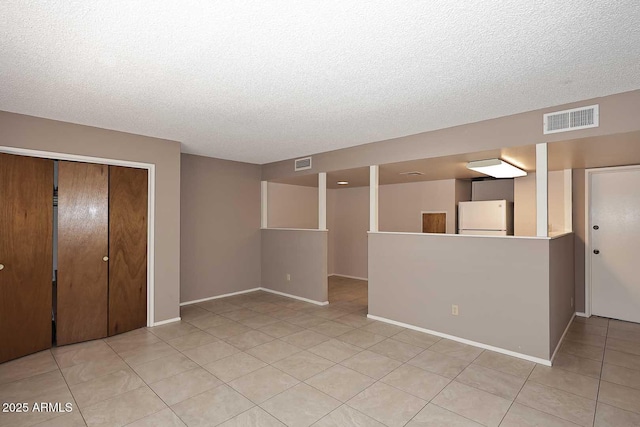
x=264 y=217
x=568 y=200
x=322 y=201
x=542 y=190
x=374 y=175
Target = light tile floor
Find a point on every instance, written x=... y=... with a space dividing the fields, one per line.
x=263 y=360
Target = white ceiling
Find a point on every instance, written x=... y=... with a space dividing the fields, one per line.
x=260 y=81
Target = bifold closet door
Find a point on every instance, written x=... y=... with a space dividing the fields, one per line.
x=26 y=257
x=83 y=239
x=127 y=249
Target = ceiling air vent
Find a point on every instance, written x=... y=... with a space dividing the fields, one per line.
x=411 y=173
x=567 y=120
x=302 y=164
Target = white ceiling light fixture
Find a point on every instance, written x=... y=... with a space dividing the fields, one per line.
x=496 y=168
x=342 y=182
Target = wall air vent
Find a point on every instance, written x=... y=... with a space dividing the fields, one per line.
x=568 y=120
x=412 y=173
x=302 y=164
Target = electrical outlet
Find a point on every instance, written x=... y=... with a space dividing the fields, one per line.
x=454 y=310
x=288 y=277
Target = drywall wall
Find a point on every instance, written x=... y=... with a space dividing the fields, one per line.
x=561 y=287
x=618 y=114
x=220 y=227
x=501 y=287
x=400 y=205
x=302 y=254
x=494 y=189
x=33 y=133
x=525 y=204
x=349 y=231
x=292 y=206
x=579 y=221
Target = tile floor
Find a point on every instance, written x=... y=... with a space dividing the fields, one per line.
x=263 y=360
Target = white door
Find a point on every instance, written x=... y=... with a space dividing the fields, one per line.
x=615 y=244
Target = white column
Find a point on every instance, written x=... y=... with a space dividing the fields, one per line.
x=322 y=201
x=374 y=174
x=568 y=200
x=264 y=217
x=542 y=191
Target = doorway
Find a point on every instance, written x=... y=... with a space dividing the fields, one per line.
x=613 y=271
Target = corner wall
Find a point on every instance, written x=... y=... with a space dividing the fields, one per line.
x=220 y=227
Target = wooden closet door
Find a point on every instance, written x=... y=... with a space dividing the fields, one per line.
x=127 y=249
x=26 y=256
x=83 y=239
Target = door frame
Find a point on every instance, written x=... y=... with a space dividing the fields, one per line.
x=151 y=206
x=588 y=173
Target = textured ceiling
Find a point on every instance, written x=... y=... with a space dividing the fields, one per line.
x=260 y=81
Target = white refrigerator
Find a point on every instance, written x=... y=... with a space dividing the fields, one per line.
x=486 y=218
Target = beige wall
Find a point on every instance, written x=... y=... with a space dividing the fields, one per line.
x=618 y=114
x=349 y=231
x=292 y=206
x=331 y=207
x=501 y=287
x=561 y=287
x=400 y=205
x=34 y=133
x=300 y=253
x=579 y=221
x=495 y=189
x=525 y=204
x=220 y=227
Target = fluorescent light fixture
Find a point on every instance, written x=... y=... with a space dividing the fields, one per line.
x=496 y=168
x=343 y=183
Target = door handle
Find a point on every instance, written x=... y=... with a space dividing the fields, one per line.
x=105 y=258
x=1 y=266
x=595 y=251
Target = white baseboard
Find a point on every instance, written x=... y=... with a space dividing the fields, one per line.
x=581 y=314
x=464 y=341
x=294 y=297
x=553 y=356
x=349 y=277
x=219 y=296
x=164 y=322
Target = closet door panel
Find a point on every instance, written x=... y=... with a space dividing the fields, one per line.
x=83 y=227
x=26 y=255
x=127 y=249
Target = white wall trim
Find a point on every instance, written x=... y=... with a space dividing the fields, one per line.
x=542 y=190
x=587 y=228
x=348 y=277
x=264 y=204
x=464 y=236
x=196 y=301
x=553 y=356
x=151 y=209
x=463 y=340
x=293 y=229
x=322 y=201
x=294 y=297
x=164 y=322
x=374 y=181
x=581 y=314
